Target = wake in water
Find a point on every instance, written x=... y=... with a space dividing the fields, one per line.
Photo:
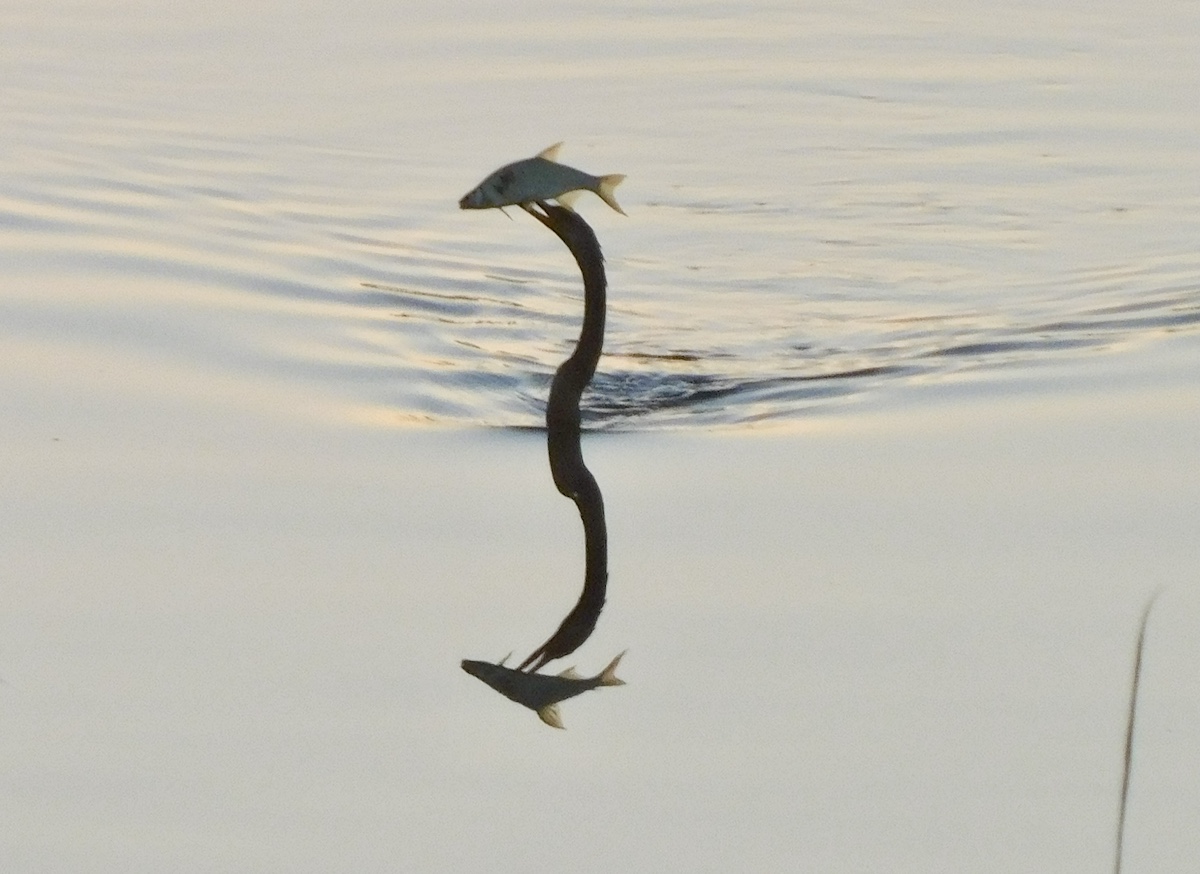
x=727 y=384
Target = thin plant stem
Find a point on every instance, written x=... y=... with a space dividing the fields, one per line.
x=1133 y=697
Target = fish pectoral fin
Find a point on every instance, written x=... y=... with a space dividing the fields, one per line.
x=570 y=674
x=549 y=715
x=567 y=199
x=550 y=153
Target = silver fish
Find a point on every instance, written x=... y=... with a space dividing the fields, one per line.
x=541 y=692
x=539 y=178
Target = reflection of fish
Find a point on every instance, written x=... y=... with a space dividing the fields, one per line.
x=539 y=178
x=541 y=692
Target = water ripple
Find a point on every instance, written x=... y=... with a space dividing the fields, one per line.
x=428 y=315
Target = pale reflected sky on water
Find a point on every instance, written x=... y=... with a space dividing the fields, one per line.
x=827 y=203
x=943 y=255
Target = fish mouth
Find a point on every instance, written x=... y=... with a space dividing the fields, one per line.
x=471 y=667
x=469 y=201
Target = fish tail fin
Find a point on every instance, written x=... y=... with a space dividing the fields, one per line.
x=605 y=190
x=608 y=677
x=549 y=715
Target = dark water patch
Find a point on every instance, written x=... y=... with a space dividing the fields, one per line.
x=629 y=401
x=1163 y=314
x=393 y=294
x=1027 y=346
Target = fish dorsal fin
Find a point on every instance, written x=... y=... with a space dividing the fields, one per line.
x=549 y=715
x=568 y=198
x=570 y=674
x=550 y=153
x=500 y=663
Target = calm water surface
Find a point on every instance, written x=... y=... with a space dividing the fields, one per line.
x=897 y=641
x=825 y=202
